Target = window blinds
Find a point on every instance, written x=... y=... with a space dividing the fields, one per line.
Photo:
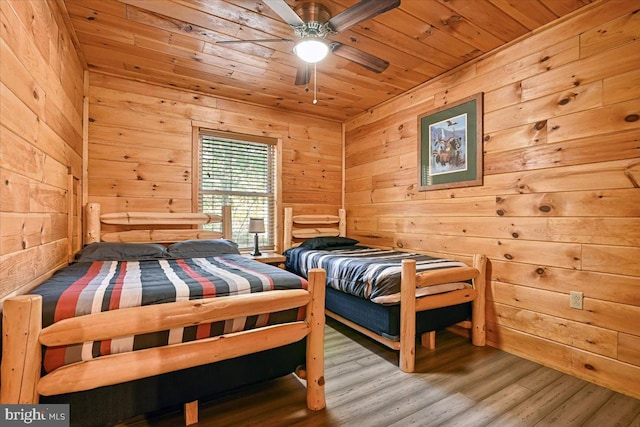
x=241 y=174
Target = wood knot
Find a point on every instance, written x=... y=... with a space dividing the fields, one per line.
x=564 y=101
x=540 y=125
x=632 y=118
x=500 y=212
x=540 y=271
x=545 y=208
x=515 y=235
x=487 y=138
x=589 y=367
x=508 y=256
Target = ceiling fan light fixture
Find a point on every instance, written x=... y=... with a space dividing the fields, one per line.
x=311 y=50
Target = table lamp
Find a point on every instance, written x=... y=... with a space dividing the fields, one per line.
x=256 y=225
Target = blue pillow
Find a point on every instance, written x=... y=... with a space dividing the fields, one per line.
x=202 y=248
x=328 y=242
x=115 y=251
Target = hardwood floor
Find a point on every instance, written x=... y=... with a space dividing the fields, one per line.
x=455 y=385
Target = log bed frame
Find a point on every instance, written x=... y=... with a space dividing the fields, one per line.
x=302 y=227
x=23 y=334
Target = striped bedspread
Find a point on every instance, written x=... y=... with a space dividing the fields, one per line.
x=368 y=273
x=85 y=288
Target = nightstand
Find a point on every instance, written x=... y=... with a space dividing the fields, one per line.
x=272 y=258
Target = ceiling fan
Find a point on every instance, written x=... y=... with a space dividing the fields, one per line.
x=312 y=23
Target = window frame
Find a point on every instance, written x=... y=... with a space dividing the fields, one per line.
x=209 y=130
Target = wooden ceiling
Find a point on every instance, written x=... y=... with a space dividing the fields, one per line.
x=173 y=43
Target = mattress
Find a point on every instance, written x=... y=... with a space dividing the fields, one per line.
x=89 y=287
x=384 y=320
x=368 y=273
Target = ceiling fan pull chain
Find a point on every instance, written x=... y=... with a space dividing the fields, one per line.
x=315 y=85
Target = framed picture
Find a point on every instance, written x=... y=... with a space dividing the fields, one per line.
x=450 y=145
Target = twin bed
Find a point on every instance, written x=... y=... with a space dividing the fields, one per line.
x=388 y=295
x=132 y=328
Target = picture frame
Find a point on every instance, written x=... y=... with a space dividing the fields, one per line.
x=450 y=145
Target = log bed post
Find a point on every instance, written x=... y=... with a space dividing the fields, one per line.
x=93 y=222
x=315 y=341
x=342 y=225
x=21 y=351
x=226 y=223
x=288 y=229
x=408 y=316
x=478 y=317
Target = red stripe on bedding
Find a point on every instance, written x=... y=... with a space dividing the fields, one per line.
x=116 y=293
x=54 y=358
x=114 y=303
x=203 y=331
x=105 y=347
x=208 y=291
x=208 y=288
x=255 y=273
x=65 y=309
x=68 y=301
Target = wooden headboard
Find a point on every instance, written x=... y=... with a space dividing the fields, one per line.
x=95 y=220
x=302 y=227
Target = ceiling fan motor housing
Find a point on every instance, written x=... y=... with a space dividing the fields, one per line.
x=315 y=17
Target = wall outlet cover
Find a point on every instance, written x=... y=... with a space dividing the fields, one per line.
x=575 y=299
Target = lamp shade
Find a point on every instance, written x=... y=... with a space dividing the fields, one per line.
x=256 y=225
x=311 y=50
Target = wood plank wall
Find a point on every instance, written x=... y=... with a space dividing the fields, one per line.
x=40 y=140
x=140 y=147
x=560 y=205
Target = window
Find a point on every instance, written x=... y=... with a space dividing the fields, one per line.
x=238 y=170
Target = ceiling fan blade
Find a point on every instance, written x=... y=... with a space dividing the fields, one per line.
x=283 y=10
x=359 y=12
x=303 y=75
x=254 y=41
x=360 y=57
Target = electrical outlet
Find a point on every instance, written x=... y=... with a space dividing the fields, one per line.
x=575 y=299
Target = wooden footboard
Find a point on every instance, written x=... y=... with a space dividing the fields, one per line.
x=23 y=336
x=410 y=305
